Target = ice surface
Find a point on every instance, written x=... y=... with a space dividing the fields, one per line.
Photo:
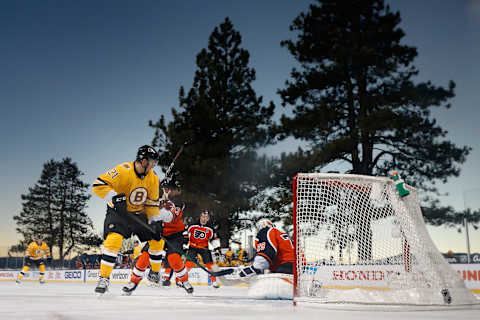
x=66 y=301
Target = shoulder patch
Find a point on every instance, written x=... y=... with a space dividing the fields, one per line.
x=126 y=165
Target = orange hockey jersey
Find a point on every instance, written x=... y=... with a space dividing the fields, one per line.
x=199 y=235
x=275 y=246
x=176 y=225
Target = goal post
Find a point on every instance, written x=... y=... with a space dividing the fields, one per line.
x=358 y=241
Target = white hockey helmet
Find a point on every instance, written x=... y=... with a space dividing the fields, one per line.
x=264 y=222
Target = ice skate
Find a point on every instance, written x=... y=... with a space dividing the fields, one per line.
x=153 y=278
x=42 y=281
x=187 y=286
x=129 y=288
x=215 y=285
x=102 y=286
x=18 y=281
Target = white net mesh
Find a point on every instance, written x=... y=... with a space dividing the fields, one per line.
x=358 y=241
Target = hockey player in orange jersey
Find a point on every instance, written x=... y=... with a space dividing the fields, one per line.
x=131 y=191
x=35 y=254
x=172 y=215
x=199 y=235
x=274 y=251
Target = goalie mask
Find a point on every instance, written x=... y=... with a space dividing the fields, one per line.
x=262 y=223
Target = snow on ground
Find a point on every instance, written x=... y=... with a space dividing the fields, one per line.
x=68 y=301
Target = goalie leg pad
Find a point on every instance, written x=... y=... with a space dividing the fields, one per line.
x=273 y=286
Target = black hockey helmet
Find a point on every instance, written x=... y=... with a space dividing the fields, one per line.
x=147 y=152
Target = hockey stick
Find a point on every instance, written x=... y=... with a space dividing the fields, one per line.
x=181 y=252
x=170 y=167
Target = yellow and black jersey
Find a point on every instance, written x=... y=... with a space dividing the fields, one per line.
x=37 y=251
x=136 y=252
x=229 y=255
x=241 y=254
x=142 y=194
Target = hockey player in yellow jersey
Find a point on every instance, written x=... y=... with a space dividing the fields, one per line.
x=131 y=191
x=35 y=254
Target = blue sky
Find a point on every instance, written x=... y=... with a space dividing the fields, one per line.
x=83 y=78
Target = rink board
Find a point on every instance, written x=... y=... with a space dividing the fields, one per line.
x=343 y=276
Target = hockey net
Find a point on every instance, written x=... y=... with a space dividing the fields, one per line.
x=358 y=241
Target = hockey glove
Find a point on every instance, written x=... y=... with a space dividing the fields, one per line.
x=120 y=202
x=157 y=227
x=165 y=203
x=248 y=272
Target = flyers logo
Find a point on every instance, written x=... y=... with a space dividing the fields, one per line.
x=199 y=234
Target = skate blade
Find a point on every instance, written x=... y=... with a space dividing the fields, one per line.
x=153 y=285
x=102 y=295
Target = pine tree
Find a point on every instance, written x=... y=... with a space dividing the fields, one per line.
x=355 y=100
x=55 y=209
x=224 y=122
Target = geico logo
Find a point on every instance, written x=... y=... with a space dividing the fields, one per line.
x=194 y=275
x=7 y=274
x=120 y=276
x=73 y=274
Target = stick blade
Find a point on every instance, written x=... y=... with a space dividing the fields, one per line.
x=222 y=272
